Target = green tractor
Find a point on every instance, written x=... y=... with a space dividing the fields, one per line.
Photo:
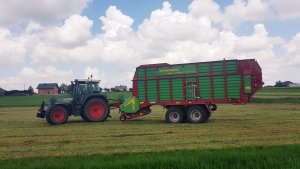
x=85 y=99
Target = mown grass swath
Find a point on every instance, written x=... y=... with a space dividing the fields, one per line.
x=278 y=157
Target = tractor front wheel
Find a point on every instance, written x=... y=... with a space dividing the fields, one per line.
x=57 y=115
x=95 y=110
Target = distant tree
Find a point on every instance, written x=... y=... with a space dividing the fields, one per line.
x=106 y=89
x=286 y=83
x=130 y=89
x=113 y=89
x=283 y=84
x=278 y=84
x=63 y=88
x=30 y=90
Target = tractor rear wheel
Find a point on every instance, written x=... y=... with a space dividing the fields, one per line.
x=197 y=114
x=174 y=115
x=57 y=115
x=95 y=110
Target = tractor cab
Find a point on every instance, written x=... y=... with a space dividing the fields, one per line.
x=83 y=88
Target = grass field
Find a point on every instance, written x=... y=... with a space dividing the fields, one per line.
x=256 y=135
x=286 y=156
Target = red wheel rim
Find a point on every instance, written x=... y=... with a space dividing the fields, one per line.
x=96 y=110
x=58 y=115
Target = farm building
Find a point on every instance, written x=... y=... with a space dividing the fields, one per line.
x=2 y=92
x=47 y=89
x=121 y=88
x=294 y=85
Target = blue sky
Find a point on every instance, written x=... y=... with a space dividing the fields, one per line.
x=44 y=41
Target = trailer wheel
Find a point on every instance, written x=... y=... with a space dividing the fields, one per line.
x=57 y=115
x=197 y=114
x=95 y=110
x=174 y=115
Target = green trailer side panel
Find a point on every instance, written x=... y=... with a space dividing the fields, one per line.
x=218 y=87
x=176 y=70
x=151 y=72
x=177 y=89
x=191 y=88
x=190 y=69
x=140 y=73
x=231 y=66
x=233 y=86
x=204 y=87
x=247 y=84
x=151 y=90
x=203 y=68
x=141 y=90
x=217 y=68
x=164 y=90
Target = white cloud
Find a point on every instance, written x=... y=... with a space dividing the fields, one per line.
x=33 y=76
x=205 y=8
x=292 y=51
x=286 y=9
x=13 y=12
x=12 y=50
x=75 y=32
x=245 y=10
x=166 y=36
x=167 y=25
x=115 y=23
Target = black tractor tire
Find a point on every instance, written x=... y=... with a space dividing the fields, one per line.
x=83 y=117
x=197 y=114
x=58 y=114
x=95 y=110
x=174 y=115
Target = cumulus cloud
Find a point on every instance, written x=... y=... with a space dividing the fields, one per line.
x=13 y=12
x=242 y=11
x=12 y=50
x=292 y=49
x=32 y=76
x=205 y=8
x=166 y=36
x=286 y=9
x=115 y=23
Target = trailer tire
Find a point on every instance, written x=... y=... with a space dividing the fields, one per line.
x=95 y=110
x=174 y=115
x=57 y=115
x=197 y=114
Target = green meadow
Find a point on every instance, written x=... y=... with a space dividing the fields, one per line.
x=262 y=134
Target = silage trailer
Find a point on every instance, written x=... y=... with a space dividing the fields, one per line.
x=189 y=92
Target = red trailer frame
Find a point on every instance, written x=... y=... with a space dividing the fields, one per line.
x=244 y=67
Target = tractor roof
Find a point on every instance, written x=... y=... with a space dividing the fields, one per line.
x=83 y=81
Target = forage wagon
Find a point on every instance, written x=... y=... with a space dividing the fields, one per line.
x=189 y=91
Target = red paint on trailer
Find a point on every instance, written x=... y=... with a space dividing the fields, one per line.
x=244 y=67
